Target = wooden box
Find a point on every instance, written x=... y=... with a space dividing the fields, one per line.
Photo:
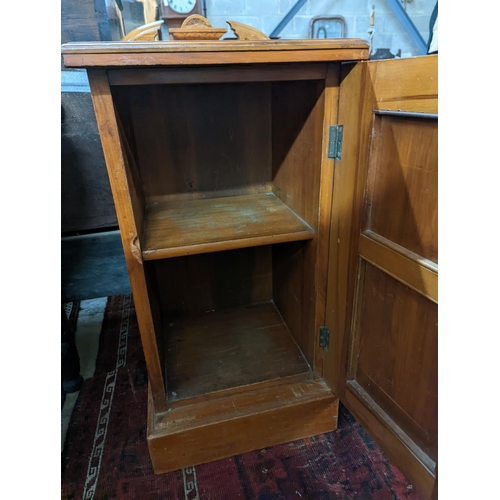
x=242 y=216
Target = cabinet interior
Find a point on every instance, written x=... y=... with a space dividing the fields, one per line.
x=225 y=180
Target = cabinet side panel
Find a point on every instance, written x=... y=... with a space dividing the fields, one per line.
x=156 y=314
x=122 y=133
x=297 y=131
x=129 y=205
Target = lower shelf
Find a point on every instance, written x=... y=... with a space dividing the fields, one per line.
x=229 y=349
x=221 y=427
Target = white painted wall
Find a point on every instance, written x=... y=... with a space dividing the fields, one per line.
x=266 y=14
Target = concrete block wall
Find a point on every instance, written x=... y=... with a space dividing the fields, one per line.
x=266 y=14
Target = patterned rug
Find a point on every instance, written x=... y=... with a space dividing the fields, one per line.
x=105 y=454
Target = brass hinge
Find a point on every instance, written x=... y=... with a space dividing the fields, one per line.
x=324 y=337
x=335 y=142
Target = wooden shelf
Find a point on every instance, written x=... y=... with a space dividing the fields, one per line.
x=188 y=227
x=227 y=349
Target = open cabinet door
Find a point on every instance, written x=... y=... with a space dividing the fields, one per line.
x=382 y=278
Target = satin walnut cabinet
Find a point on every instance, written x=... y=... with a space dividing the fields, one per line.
x=277 y=261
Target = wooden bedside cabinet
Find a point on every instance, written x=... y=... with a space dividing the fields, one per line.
x=248 y=240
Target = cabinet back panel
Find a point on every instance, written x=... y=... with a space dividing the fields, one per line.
x=200 y=140
x=214 y=281
x=297 y=129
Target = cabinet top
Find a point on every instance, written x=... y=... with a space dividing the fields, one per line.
x=172 y=53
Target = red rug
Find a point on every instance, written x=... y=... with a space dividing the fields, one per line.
x=106 y=457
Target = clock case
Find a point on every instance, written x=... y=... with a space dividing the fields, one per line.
x=173 y=19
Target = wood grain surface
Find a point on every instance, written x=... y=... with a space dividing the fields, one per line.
x=297 y=136
x=114 y=54
x=188 y=227
x=382 y=289
x=222 y=427
x=409 y=84
x=129 y=209
x=229 y=73
x=214 y=281
x=206 y=140
x=399 y=266
x=330 y=117
x=223 y=190
x=403 y=183
x=216 y=47
x=229 y=348
x=396 y=362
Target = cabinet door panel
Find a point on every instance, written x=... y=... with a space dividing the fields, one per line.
x=394 y=351
x=402 y=189
x=382 y=278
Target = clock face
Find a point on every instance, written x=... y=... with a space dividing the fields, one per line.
x=181 y=6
